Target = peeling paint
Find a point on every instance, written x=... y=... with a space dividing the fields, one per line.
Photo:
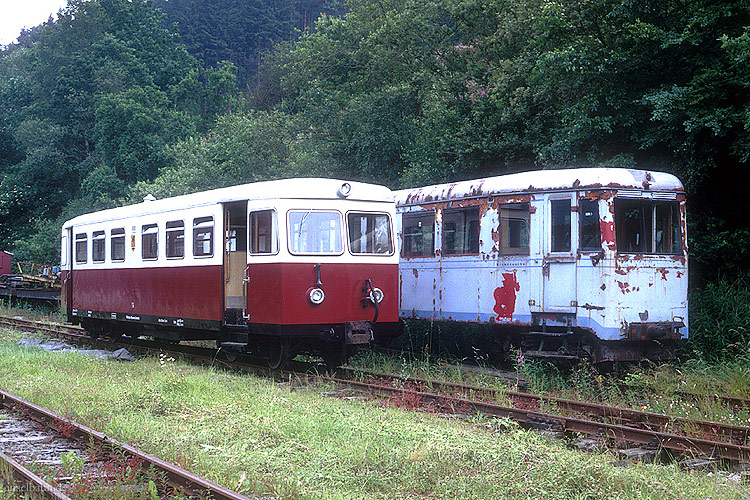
x=505 y=296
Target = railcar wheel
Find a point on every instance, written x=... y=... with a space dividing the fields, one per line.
x=279 y=353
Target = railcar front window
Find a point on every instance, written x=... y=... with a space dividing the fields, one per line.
x=312 y=232
x=646 y=226
x=419 y=234
x=175 y=239
x=98 y=250
x=514 y=229
x=369 y=233
x=203 y=236
x=149 y=242
x=81 y=248
x=117 y=245
x=461 y=231
x=590 y=229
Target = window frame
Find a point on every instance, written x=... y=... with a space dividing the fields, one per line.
x=169 y=243
x=423 y=214
x=568 y=228
x=504 y=229
x=78 y=239
x=289 y=239
x=149 y=230
x=274 y=236
x=113 y=237
x=648 y=222
x=98 y=247
x=200 y=227
x=391 y=243
x=467 y=233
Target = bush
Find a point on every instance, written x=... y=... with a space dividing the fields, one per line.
x=720 y=319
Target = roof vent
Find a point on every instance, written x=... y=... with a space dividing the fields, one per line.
x=149 y=197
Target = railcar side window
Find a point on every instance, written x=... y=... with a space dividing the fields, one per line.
x=203 y=236
x=149 y=241
x=98 y=249
x=81 y=248
x=514 y=229
x=590 y=229
x=262 y=232
x=646 y=226
x=419 y=234
x=315 y=232
x=560 y=220
x=175 y=239
x=461 y=231
x=117 y=245
x=369 y=233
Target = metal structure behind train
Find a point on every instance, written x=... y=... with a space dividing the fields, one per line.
x=279 y=267
x=588 y=262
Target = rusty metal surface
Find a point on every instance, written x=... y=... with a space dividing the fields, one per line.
x=27 y=484
x=597 y=289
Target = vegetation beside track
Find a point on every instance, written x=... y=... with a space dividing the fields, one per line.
x=287 y=441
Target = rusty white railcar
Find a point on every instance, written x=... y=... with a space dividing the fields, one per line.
x=587 y=262
x=279 y=267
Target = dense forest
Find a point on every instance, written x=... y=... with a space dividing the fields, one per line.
x=119 y=98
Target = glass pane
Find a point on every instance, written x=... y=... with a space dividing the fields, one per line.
x=668 y=235
x=514 y=229
x=461 y=231
x=98 y=250
x=175 y=239
x=418 y=233
x=203 y=236
x=315 y=232
x=81 y=248
x=588 y=214
x=261 y=226
x=149 y=241
x=633 y=225
x=117 y=243
x=560 y=225
x=370 y=233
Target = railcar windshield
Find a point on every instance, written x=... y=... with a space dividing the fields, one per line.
x=647 y=226
x=315 y=232
x=369 y=233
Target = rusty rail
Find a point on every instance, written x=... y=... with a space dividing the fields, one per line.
x=625 y=425
x=178 y=478
x=25 y=483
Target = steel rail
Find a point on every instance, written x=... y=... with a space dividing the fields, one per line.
x=177 y=478
x=613 y=430
x=701 y=428
x=25 y=483
x=674 y=442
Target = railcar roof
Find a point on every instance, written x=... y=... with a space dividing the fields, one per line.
x=296 y=188
x=542 y=180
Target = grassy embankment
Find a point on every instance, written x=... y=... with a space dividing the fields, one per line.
x=280 y=441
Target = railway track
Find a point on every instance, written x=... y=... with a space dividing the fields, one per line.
x=606 y=423
x=32 y=435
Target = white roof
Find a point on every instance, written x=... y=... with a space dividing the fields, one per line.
x=542 y=180
x=296 y=188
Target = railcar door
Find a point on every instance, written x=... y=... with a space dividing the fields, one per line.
x=559 y=269
x=235 y=261
x=66 y=271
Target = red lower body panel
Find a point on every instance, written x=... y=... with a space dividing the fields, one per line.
x=181 y=292
x=278 y=293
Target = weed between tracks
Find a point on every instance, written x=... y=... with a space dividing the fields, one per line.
x=276 y=440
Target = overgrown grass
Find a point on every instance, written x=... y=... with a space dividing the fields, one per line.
x=287 y=442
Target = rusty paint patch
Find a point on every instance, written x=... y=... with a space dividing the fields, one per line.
x=505 y=296
x=415 y=272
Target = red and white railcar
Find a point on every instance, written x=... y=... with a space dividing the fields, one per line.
x=281 y=266
x=565 y=263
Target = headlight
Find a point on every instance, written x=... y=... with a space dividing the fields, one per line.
x=377 y=295
x=316 y=296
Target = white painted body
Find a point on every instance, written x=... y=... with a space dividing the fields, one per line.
x=601 y=288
